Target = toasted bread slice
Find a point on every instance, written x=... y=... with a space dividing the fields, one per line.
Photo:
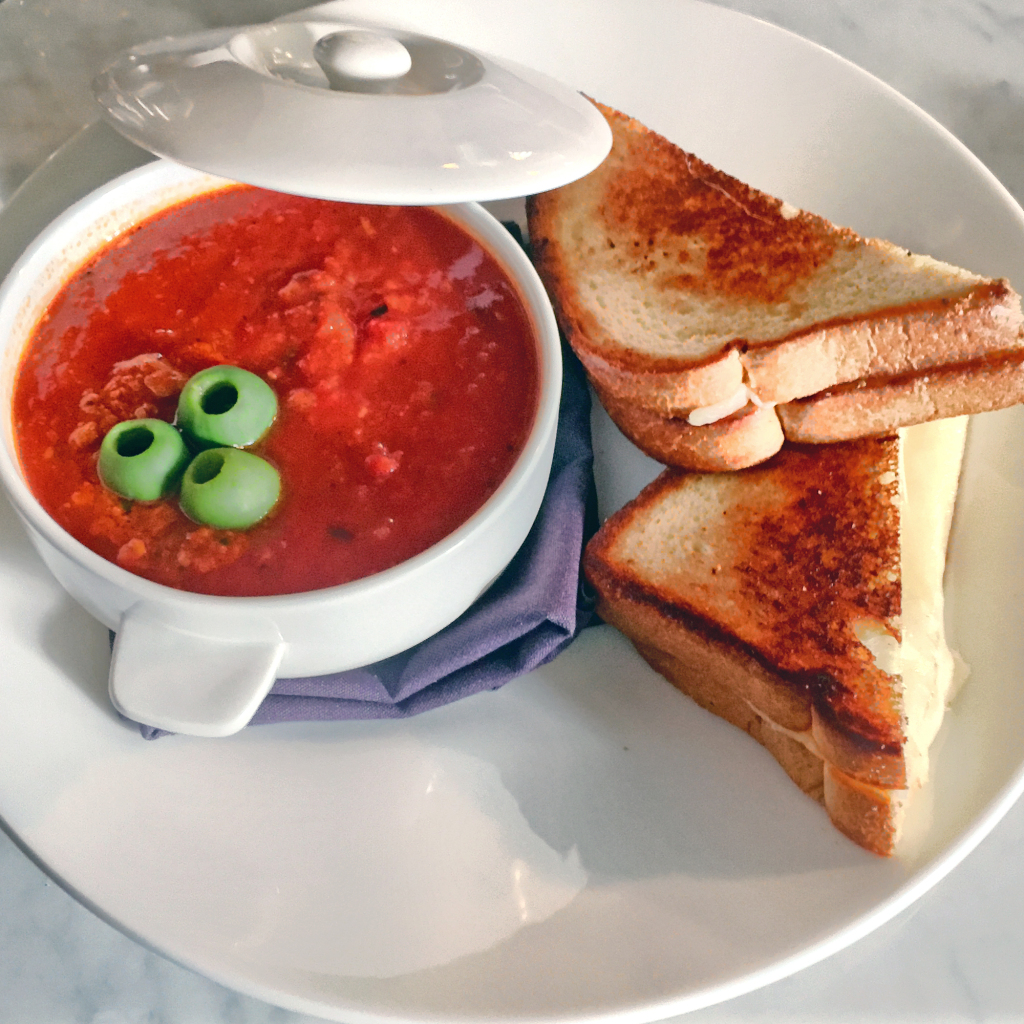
x=802 y=601
x=688 y=294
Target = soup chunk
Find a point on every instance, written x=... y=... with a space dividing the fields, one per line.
x=402 y=359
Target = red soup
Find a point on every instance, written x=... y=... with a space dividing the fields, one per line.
x=402 y=358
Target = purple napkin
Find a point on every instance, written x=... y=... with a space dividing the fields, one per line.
x=532 y=611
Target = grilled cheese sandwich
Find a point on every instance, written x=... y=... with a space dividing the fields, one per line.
x=717 y=322
x=802 y=601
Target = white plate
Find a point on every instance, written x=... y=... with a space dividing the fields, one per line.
x=584 y=843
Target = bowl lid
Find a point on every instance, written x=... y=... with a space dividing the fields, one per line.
x=340 y=109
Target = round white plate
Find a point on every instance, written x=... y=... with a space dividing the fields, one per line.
x=585 y=843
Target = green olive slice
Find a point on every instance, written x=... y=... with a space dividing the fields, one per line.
x=142 y=459
x=225 y=406
x=229 y=489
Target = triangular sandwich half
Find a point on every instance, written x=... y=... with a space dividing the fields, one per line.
x=802 y=601
x=715 y=320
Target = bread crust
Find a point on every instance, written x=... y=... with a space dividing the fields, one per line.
x=665 y=392
x=873 y=408
x=945 y=331
x=867 y=814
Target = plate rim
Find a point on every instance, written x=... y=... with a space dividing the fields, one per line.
x=913 y=888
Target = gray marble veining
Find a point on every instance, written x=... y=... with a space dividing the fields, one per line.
x=955 y=956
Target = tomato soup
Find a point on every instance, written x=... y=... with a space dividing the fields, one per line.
x=402 y=358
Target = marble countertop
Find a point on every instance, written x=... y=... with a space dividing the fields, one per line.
x=955 y=956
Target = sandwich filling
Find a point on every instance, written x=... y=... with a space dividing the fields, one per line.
x=739 y=399
x=930 y=456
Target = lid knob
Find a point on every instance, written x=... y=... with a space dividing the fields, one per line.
x=357 y=59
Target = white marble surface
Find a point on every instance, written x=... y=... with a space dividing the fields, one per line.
x=957 y=955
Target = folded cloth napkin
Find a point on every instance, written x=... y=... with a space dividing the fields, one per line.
x=531 y=612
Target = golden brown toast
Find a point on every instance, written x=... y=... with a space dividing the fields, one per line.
x=772 y=597
x=693 y=299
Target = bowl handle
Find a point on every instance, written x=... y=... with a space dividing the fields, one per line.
x=164 y=674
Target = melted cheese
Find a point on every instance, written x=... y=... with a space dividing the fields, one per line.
x=930 y=456
x=739 y=399
x=931 y=470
